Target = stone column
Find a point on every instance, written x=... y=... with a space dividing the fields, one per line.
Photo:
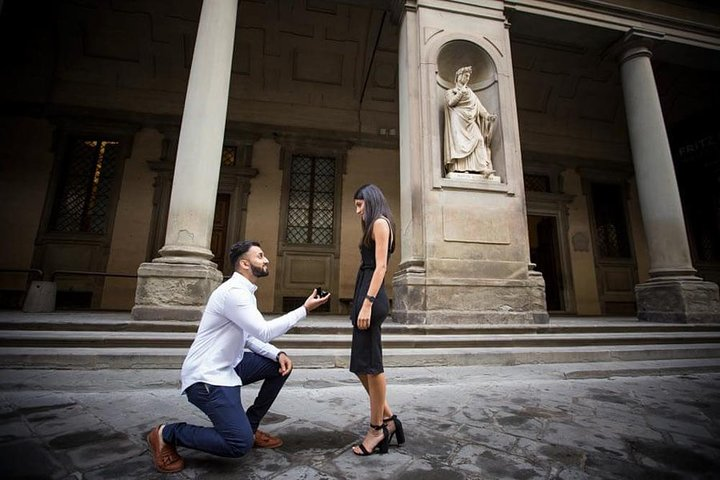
x=176 y=284
x=673 y=293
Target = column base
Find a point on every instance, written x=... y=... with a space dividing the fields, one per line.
x=468 y=301
x=173 y=291
x=678 y=301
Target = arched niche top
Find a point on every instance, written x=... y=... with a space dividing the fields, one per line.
x=460 y=53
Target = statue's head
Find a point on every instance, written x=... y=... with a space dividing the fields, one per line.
x=460 y=74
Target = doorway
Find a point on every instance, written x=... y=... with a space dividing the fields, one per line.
x=545 y=254
x=614 y=255
x=309 y=234
x=218 y=242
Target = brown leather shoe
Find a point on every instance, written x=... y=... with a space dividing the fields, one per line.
x=265 y=440
x=166 y=459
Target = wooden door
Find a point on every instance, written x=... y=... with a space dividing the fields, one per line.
x=614 y=255
x=218 y=242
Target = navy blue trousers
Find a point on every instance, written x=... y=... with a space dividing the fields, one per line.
x=233 y=430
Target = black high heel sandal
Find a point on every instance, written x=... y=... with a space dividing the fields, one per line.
x=381 y=447
x=399 y=433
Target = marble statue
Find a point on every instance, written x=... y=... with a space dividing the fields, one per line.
x=468 y=130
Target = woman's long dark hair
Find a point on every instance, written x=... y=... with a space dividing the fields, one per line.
x=375 y=207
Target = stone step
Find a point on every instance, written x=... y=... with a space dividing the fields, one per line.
x=92 y=340
x=172 y=358
x=105 y=339
x=335 y=326
x=482 y=329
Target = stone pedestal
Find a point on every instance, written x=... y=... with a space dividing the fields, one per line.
x=465 y=248
x=468 y=302
x=171 y=291
x=678 y=301
x=40 y=297
x=474 y=177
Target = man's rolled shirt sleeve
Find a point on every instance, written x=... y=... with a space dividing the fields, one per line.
x=264 y=349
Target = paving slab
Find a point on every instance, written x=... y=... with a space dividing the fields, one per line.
x=518 y=422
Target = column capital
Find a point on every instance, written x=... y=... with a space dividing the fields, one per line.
x=635 y=42
x=638 y=43
x=635 y=50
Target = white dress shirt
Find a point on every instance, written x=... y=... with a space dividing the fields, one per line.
x=230 y=323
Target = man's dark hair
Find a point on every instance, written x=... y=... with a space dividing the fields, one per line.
x=239 y=249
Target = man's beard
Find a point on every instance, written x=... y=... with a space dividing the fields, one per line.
x=259 y=271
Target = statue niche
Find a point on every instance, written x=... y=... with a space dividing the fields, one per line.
x=468 y=132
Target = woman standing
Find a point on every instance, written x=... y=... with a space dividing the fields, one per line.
x=370 y=307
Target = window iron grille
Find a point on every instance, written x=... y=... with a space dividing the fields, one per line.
x=83 y=198
x=610 y=221
x=537 y=183
x=311 y=201
x=229 y=156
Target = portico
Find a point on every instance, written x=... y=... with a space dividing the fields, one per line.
x=208 y=121
x=464 y=242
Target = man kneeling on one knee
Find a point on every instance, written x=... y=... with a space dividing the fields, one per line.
x=217 y=365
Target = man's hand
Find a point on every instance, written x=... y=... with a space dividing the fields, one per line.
x=285 y=364
x=313 y=302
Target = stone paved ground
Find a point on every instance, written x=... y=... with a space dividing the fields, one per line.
x=523 y=422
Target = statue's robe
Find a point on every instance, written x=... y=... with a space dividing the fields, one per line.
x=467 y=131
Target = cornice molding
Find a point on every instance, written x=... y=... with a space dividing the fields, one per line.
x=622 y=18
x=169 y=125
x=297 y=140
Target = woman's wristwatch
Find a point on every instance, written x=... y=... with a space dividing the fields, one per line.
x=277 y=357
x=370 y=297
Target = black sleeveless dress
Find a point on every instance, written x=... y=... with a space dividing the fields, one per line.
x=366 y=352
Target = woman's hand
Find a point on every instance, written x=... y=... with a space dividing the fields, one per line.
x=363 y=321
